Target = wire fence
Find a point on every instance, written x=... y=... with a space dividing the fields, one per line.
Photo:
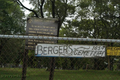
x=20 y=63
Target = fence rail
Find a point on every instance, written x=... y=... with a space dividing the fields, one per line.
x=60 y=38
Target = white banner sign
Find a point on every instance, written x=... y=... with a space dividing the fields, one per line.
x=58 y=50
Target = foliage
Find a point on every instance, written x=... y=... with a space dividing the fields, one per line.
x=11 y=18
x=94 y=19
x=11 y=22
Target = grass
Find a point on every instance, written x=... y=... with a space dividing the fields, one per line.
x=42 y=74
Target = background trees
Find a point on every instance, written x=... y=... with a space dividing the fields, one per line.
x=11 y=22
x=95 y=19
x=98 y=19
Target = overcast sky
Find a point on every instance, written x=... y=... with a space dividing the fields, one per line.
x=26 y=3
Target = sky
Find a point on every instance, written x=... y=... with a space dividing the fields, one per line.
x=26 y=3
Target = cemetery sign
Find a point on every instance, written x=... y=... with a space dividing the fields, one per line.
x=58 y=50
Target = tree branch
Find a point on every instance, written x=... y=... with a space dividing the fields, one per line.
x=53 y=8
x=27 y=8
x=41 y=7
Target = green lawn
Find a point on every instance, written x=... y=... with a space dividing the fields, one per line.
x=42 y=74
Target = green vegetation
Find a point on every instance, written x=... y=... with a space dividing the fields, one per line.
x=11 y=23
x=42 y=74
x=89 y=19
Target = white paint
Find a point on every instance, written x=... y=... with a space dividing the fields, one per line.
x=63 y=50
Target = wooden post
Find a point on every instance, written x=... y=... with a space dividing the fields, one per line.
x=109 y=62
x=24 y=67
x=52 y=66
x=87 y=67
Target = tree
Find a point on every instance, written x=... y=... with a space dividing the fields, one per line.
x=51 y=9
x=11 y=22
x=98 y=19
x=95 y=19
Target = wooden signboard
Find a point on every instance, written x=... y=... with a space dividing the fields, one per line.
x=40 y=27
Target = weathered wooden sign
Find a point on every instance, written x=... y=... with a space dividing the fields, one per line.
x=57 y=50
x=40 y=27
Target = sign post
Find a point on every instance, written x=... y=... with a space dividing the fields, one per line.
x=38 y=27
x=24 y=67
x=52 y=66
